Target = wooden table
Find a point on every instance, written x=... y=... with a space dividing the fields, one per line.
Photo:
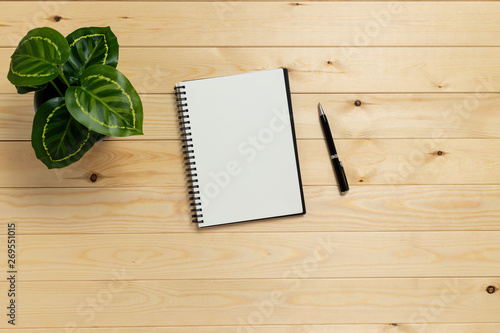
x=414 y=246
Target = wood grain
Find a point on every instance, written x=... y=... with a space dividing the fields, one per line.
x=260 y=255
x=345 y=328
x=314 y=70
x=159 y=163
x=412 y=248
x=160 y=121
x=417 y=115
x=116 y=163
x=142 y=210
x=120 y=302
x=265 y=24
x=425 y=161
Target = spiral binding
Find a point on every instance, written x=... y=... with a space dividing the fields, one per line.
x=189 y=162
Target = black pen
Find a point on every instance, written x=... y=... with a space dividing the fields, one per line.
x=337 y=165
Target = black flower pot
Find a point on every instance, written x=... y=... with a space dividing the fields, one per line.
x=42 y=96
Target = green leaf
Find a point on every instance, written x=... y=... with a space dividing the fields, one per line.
x=90 y=46
x=37 y=57
x=106 y=102
x=57 y=138
x=27 y=89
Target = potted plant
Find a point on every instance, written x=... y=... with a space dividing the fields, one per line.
x=80 y=96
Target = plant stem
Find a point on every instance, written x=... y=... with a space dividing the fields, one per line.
x=63 y=77
x=55 y=86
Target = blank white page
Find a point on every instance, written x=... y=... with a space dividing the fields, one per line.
x=244 y=147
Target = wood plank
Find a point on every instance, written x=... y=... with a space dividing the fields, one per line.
x=470 y=115
x=260 y=255
x=165 y=210
x=160 y=121
x=417 y=115
x=122 y=302
x=314 y=70
x=265 y=23
x=159 y=163
x=98 y=210
x=345 y=328
x=402 y=161
x=116 y=163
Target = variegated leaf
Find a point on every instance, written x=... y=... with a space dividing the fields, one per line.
x=106 y=102
x=57 y=138
x=37 y=57
x=90 y=46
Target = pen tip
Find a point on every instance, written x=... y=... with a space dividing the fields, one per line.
x=320 y=109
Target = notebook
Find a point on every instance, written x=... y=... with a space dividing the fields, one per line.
x=240 y=147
